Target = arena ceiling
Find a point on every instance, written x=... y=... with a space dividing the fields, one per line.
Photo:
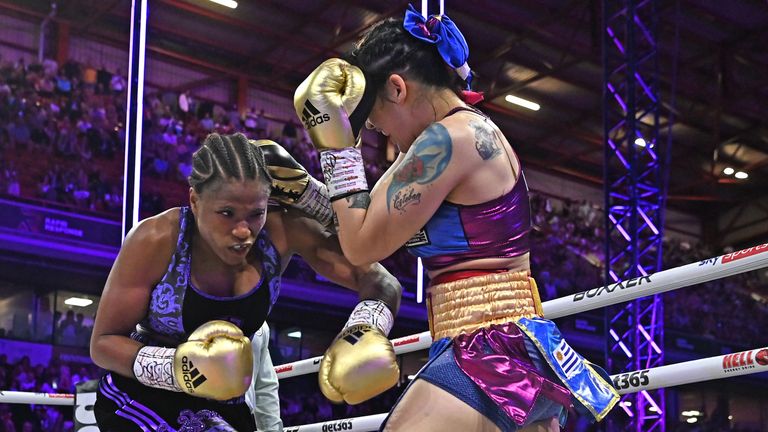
x=548 y=51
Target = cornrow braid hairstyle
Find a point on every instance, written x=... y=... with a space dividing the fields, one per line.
x=388 y=48
x=227 y=157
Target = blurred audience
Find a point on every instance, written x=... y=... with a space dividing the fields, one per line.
x=55 y=377
x=61 y=140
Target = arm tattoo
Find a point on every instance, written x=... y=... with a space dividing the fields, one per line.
x=484 y=143
x=426 y=160
x=359 y=200
x=404 y=198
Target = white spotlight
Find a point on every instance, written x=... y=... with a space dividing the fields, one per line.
x=228 y=3
x=522 y=102
x=78 y=301
x=728 y=171
x=294 y=334
x=640 y=142
x=741 y=175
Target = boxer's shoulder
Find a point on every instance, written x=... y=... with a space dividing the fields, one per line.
x=157 y=233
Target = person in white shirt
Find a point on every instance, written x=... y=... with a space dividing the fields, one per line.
x=262 y=396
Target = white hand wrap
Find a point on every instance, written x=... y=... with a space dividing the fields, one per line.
x=372 y=312
x=153 y=367
x=316 y=202
x=344 y=172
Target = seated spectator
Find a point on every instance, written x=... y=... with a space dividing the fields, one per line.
x=83 y=332
x=261 y=125
x=184 y=167
x=67 y=329
x=19 y=132
x=63 y=85
x=44 y=320
x=207 y=123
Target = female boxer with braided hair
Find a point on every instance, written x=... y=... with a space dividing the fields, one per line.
x=189 y=283
x=456 y=197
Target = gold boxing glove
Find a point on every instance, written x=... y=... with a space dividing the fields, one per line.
x=216 y=362
x=292 y=185
x=330 y=103
x=361 y=361
x=333 y=102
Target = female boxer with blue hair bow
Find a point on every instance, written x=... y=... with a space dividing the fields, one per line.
x=457 y=198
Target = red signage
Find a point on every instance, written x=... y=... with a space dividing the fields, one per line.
x=284 y=368
x=59 y=396
x=739 y=359
x=407 y=341
x=762 y=357
x=754 y=250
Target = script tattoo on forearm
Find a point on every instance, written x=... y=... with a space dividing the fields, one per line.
x=404 y=198
x=426 y=160
x=361 y=200
x=484 y=143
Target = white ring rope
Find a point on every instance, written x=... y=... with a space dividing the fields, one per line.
x=710 y=368
x=724 y=366
x=20 y=397
x=359 y=424
x=734 y=263
x=706 y=270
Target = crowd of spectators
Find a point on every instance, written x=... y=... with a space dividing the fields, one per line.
x=67 y=118
x=60 y=129
x=61 y=138
x=32 y=317
x=567 y=257
x=70 y=329
x=55 y=377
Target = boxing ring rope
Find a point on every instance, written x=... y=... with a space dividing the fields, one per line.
x=37 y=398
x=734 y=263
x=724 y=366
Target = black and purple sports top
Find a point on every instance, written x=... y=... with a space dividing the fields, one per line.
x=456 y=233
x=177 y=307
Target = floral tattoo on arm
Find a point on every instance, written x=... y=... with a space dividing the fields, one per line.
x=427 y=159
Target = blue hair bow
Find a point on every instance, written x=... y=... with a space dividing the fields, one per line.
x=441 y=31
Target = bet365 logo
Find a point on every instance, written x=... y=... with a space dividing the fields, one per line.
x=311 y=116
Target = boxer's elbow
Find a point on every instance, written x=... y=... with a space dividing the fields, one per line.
x=361 y=250
x=358 y=259
x=97 y=351
x=114 y=353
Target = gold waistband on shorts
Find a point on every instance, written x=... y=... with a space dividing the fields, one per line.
x=464 y=305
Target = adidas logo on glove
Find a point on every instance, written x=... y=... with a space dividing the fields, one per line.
x=192 y=377
x=311 y=116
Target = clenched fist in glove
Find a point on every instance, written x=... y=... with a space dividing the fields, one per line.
x=333 y=104
x=216 y=362
x=292 y=185
x=361 y=361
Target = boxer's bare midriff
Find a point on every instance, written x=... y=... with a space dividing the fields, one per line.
x=514 y=264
